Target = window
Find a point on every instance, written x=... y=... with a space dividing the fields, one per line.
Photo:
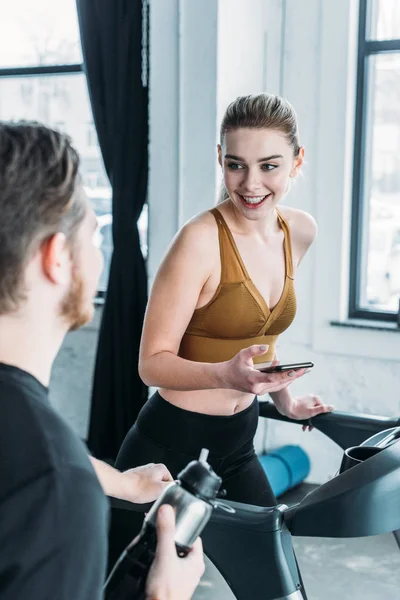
x=41 y=78
x=375 y=253
x=91 y=136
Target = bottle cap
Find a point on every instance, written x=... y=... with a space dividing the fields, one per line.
x=199 y=478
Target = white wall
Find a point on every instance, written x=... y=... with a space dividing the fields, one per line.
x=241 y=50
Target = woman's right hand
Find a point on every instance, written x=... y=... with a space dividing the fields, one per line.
x=239 y=374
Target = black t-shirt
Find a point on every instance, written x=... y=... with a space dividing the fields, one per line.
x=53 y=513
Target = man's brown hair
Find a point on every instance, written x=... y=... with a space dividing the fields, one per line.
x=38 y=180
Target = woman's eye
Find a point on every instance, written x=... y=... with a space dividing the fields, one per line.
x=234 y=166
x=268 y=167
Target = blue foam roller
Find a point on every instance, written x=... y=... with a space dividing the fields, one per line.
x=285 y=467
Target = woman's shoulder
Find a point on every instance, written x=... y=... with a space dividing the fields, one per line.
x=204 y=219
x=201 y=228
x=199 y=235
x=303 y=226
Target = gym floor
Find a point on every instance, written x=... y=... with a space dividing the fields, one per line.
x=332 y=569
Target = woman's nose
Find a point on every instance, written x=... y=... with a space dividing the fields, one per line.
x=252 y=180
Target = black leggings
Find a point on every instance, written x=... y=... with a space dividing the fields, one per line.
x=164 y=433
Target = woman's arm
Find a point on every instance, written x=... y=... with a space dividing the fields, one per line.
x=303 y=231
x=284 y=402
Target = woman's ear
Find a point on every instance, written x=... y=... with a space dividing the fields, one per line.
x=219 y=149
x=298 y=161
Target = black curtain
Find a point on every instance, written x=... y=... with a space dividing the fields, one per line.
x=114 y=36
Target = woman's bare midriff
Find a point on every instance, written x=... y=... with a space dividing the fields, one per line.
x=209 y=402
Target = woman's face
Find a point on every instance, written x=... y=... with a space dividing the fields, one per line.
x=257 y=165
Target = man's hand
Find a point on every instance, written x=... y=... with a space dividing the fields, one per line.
x=145 y=484
x=171 y=577
x=140 y=485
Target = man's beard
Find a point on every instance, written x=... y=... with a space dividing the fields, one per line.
x=73 y=309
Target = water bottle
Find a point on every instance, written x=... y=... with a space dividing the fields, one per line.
x=192 y=497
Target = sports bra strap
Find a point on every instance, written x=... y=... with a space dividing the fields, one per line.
x=232 y=267
x=287 y=245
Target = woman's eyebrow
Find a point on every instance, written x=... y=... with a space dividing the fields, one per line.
x=234 y=157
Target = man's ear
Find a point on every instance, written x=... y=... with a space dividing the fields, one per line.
x=56 y=259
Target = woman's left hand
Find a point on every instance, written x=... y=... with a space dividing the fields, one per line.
x=307 y=407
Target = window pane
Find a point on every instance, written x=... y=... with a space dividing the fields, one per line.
x=385 y=20
x=62 y=102
x=39 y=32
x=380 y=287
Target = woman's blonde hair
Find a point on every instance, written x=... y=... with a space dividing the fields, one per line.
x=260 y=111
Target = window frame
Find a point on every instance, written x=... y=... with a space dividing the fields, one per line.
x=366 y=48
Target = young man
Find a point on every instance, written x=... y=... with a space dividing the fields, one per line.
x=53 y=525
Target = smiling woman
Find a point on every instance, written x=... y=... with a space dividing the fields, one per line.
x=223 y=294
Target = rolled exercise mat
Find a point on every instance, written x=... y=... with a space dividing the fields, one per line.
x=285 y=467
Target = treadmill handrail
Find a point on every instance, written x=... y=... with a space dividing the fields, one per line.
x=345 y=429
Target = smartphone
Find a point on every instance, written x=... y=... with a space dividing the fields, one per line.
x=284 y=368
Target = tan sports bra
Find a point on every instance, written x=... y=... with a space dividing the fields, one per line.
x=237 y=316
